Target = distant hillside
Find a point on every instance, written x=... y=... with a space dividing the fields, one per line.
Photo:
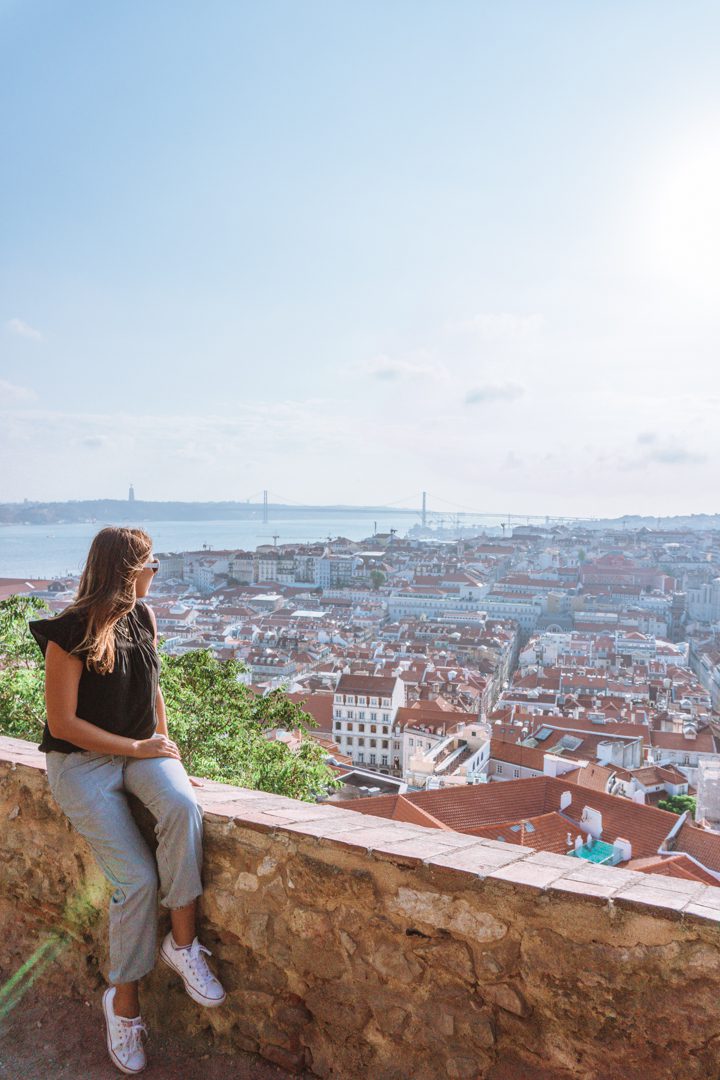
x=120 y=511
x=701 y=522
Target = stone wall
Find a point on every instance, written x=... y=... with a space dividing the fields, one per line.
x=356 y=947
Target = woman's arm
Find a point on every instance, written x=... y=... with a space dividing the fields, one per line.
x=161 y=726
x=62 y=677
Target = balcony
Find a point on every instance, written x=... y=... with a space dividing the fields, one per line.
x=356 y=947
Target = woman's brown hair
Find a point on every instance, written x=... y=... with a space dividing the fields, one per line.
x=107 y=590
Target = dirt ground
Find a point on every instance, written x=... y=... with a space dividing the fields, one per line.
x=68 y=1043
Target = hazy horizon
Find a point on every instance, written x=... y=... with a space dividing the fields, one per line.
x=435 y=512
x=469 y=249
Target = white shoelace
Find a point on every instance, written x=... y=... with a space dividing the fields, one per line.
x=131 y=1034
x=198 y=963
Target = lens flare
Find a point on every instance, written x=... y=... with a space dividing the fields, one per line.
x=79 y=913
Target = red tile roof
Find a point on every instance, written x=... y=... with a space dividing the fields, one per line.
x=514 y=754
x=702 y=845
x=375 y=685
x=592 y=777
x=545 y=832
x=656 y=774
x=670 y=740
x=472 y=807
x=407 y=811
x=424 y=714
x=677 y=866
x=319 y=705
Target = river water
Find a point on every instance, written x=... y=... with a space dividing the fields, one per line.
x=44 y=551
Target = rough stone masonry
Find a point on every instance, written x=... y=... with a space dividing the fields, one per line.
x=353 y=947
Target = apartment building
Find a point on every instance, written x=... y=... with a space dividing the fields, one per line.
x=364 y=713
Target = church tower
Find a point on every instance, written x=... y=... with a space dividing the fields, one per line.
x=131 y=494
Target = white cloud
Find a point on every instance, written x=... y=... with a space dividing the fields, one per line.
x=676 y=455
x=11 y=393
x=483 y=395
x=662 y=452
x=386 y=368
x=23 y=329
x=349 y=449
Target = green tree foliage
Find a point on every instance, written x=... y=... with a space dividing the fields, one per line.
x=22 y=685
x=377 y=578
x=221 y=728
x=220 y=725
x=678 y=804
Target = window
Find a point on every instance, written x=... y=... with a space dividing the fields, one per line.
x=361 y=757
x=372 y=759
x=349 y=727
x=410 y=742
x=384 y=759
x=498 y=768
x=385 y=744
x=373 y=701
x=386 y=718
x=349 y=699
x=386 y=703
x=373 y=716
x=361 y=714
x=516 y=772
x=373 y=727
x=338 y=725
x=373 y=742
x=338 y=712
x=361 y=742
x=361 y=727
x=362 y=701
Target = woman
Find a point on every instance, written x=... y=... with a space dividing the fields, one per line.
x=106 y=734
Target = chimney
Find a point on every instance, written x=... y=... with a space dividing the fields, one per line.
x=622 y=851
x=591 y=821
x=639 y=797
x=565 y=800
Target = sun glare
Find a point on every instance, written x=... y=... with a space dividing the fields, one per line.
x=683 y=214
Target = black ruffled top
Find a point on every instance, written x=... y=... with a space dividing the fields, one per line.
x=123 y=701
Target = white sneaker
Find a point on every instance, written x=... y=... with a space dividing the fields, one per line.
x=124 y=1037
x=191 y=965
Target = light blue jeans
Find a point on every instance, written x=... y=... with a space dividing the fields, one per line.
x=90 y=787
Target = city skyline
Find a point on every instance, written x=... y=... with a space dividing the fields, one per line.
x=333 y=250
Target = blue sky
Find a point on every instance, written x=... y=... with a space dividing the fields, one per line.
x=348 y=251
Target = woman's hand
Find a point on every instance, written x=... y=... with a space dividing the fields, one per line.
x=194 y=782
x=155 y=746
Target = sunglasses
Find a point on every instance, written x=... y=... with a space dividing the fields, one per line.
x=154 y=566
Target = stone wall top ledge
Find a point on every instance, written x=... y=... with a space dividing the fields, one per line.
x=468 y=861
